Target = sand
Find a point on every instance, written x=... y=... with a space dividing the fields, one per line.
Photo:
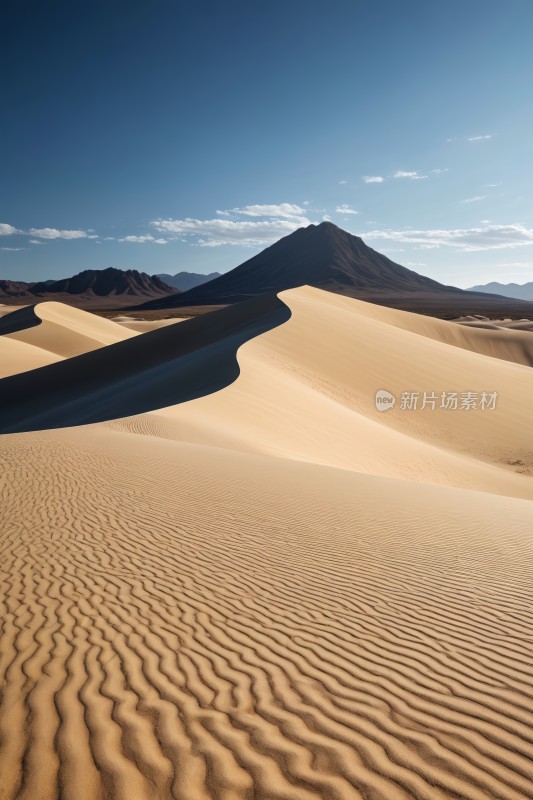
x=268 y=589
x=145 y=325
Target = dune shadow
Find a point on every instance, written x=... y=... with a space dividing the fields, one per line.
x=162 y=368
x=19 y=320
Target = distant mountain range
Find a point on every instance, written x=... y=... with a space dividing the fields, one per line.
x=330 y=258
x=91 y=287
x=321 y=255
x=187 y=280
x=522 y=291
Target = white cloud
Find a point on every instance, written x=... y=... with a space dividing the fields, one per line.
x=35 y=241
x=54 y=233
x=147 y=237
x=489 y=237
x=373 y=179
x=439 y=170
x=7 y=230
x=344 y=209
x=281 y=210
x=479 y=138
x=341 y=182
x=491 y=185
x=217 y=232
x=415 y=264
x=523 y=264
x=475 y=199
x=12 y=249
x=413 y=176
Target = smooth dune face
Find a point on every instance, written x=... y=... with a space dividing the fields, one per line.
x=306 y=391
x=18 y=356
x=144 y=325
x=271 y=590
x=67 y=331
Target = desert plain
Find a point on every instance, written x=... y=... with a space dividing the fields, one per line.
x=225 y=574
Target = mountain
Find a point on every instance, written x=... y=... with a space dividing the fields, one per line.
x=13 y=289
x=522 y=291
x=322 y=255
x=330 y=258
x=187 y=280
x=91 y=287
x=105 y=282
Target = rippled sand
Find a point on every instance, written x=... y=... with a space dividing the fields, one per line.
x=270 y=590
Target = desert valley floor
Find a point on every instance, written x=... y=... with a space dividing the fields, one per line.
x=224 y=574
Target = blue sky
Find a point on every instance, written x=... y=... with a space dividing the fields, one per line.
x=170 y=136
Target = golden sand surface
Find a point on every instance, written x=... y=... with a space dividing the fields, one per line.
x=270 y=590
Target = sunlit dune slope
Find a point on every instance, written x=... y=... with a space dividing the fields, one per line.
x=18 y=356
x=303 y=389
x=306 y=391
x=62 y=329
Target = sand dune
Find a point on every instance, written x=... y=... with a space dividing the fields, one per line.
x=145 y=325
x=251 y=590
x=333 y=379
x=188 y=622
x=170 y=365
x=496 y=324
x=18 y=356
x=61 y=329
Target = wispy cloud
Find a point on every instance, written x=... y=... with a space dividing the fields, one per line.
x=413 y=176
x=512 y=264
x=55 y=233
x=279 y=210
x=36 y=241
x=344 y=209
x=250 y=225
x=372 y=179
x=489 y=237
x=12 y=249
x=143 y=239
x=474 y=199
x=440 y=170
x=470 y=138
x=218 y=232
x=341 y=182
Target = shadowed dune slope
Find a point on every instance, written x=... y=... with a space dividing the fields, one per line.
x=159 y=368
x=187 y=623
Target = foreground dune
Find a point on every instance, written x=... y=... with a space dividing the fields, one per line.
x=188 y=622
x=237 y=581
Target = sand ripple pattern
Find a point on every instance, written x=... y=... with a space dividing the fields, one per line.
x=180 y=622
